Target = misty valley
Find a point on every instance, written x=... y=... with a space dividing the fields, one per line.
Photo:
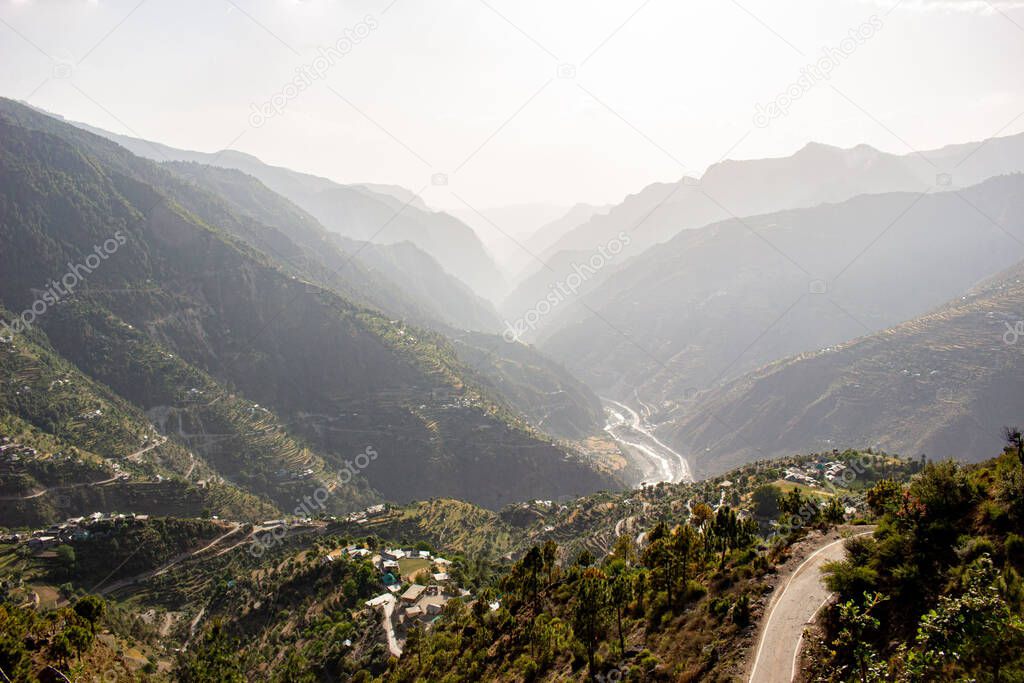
x=459 y=372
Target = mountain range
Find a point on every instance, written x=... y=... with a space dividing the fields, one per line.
x=718 y=301
x=265 y=345
x=196 y=318
x=734 y=189
x=383 y=214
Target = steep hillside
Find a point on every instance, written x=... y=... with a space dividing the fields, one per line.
x=941 y=384
x=935 y=594
x=214 y=600
x=71 y=446
x=540 y=304
x=715 y=302
x=358 y=212
x=533 y=280
x=343 y=377
x=399 y=279
x=244 y=442
x=550 y=233
x=443 y=297
x=536 y=387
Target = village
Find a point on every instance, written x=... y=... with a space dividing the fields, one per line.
x=14 y=455
x=418 y=588
x=72 y=529
x=816 y=473
x=12 y=452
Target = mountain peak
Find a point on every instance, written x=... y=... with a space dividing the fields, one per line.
x=822 y=149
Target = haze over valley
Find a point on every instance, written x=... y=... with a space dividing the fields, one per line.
x=392 y=342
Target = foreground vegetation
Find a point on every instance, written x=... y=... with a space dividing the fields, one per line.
x=936 y=593
x=662 y=583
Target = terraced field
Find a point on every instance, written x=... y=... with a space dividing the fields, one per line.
x=53 y=396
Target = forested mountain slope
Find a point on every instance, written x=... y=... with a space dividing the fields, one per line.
x=341 y=377
x=941 y=384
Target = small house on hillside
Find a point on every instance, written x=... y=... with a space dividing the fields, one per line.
x=413 y=593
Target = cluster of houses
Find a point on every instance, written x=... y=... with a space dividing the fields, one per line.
x=832 y=470
x=364 y=516
x=294 y=475
x=387 y=563
x=12 y=452
x=73 y=529
x=815 y=473
x=424 y=603
x=412 y=602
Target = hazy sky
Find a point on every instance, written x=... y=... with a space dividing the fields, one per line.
x=520 y=101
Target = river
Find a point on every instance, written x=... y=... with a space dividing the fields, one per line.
x=661 y=463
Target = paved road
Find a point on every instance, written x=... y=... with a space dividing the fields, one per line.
x=795 y=602
x=387 y=604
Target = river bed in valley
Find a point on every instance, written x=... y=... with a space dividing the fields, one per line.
x=630 y=430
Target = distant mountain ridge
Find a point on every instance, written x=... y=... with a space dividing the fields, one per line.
x=719 y=301
x=815 y=174
x=734 y=189
x=400 y=279
x=368 y=273
x=943 y=384
x=366 y=212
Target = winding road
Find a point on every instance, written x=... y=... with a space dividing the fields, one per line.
x=164 y=568
x=794 y=604
x=137 y=455
x=627 y=428
x=53 y=489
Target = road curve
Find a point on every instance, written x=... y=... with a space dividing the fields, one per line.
x=795 y=602
x=53 y=489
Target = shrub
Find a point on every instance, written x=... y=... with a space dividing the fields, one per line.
x=527 y=667
x=849 y=580
x=719 y=606
x=694 y=591
x=741 y=611
x=1014 y=548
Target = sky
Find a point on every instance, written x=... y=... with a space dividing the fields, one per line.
x=489 y=103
